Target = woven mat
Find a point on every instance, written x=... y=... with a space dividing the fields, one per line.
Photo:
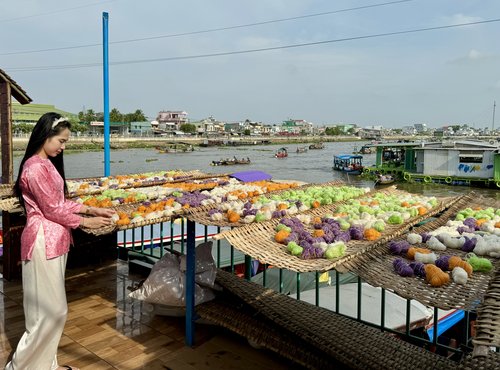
x=348 y=342
x=490 y=361
x=375 y=267
x=488 y=316
x=243 y=320
x=256 y=240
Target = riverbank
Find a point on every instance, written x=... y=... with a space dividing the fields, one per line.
x=91 y=143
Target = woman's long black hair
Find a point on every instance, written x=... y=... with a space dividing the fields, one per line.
x=42 y=131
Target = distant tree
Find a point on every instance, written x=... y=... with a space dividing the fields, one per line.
x=24 y=128
x=351 y=131
x=115 y=115
x=247 y=132
x=88 y=116
x=333 y=131
x=188 y=128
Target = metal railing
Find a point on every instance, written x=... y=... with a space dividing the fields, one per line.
x=142 y=243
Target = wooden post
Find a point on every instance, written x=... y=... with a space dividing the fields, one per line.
x=6 y=131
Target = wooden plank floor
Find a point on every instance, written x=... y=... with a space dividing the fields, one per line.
x=108 y=330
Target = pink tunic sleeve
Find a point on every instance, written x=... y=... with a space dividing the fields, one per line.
x=43 y=193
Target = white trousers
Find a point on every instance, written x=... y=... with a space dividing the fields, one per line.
x=45 y=310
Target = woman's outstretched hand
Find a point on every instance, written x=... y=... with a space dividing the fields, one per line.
x=103 y=212
x=96 y=222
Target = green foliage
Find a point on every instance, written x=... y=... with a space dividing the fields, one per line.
x=246 y=132
x=114 y=116
x=188 y=128
x=333 y=131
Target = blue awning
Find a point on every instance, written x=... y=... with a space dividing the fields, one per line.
x=445 y=323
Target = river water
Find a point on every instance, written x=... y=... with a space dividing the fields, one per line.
x=312 y=166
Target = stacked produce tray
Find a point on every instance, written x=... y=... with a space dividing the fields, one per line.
x=257 y=239
x=376 y=268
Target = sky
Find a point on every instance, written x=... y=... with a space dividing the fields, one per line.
x=327 y=62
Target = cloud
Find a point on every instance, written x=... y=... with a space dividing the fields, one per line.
x=459 y=19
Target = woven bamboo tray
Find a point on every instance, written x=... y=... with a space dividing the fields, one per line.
x=375 y=267
x=9 y=204
x=256 y=240
x=200 y=214
x=180 y=177
x=346 y=341
x=128 y=208
x=6 y=190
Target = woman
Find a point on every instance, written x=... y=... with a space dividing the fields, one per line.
x=41 y=189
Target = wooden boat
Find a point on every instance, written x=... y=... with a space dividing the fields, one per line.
x=229 y=162
x=384 y=179
x=347 y=163
x=281 y=153
x=364 y=150
x=175 y=147
x=319 y=145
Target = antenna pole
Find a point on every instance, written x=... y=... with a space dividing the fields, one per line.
x=493 y=121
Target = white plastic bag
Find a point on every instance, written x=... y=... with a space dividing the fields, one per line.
x=165 y=284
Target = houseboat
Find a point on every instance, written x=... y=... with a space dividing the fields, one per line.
x=281 y=153
x=350 y=164
x=460 y=162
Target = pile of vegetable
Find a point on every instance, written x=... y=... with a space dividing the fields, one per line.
x=474 y=231
x=326 y=239
x=82 y=187
x=288 y=203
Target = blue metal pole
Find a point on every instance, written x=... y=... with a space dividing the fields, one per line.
x=190 y=284
x=105 y=66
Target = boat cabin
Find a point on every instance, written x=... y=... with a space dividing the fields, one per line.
x=347 y=163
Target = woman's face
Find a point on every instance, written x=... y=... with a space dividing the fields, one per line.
x=55 y=145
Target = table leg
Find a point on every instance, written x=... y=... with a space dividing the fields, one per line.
x=190 y=282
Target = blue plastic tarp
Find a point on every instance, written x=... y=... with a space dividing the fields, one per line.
x=250 y=176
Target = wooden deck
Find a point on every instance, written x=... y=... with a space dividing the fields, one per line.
x=108 y=330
